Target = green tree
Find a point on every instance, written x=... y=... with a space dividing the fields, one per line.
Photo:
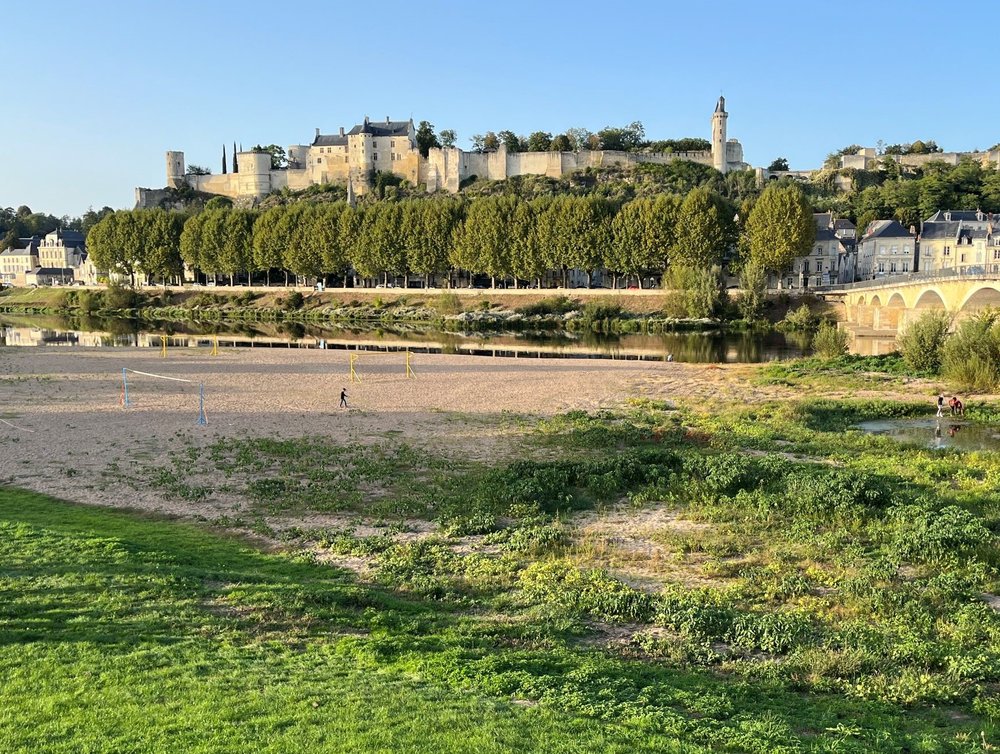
x=561 y=143
x=777 y=165
x=162 y=255
x=435 y=221
x=426 y=138
x=483 y=242
x=511 y=141
x=448 y=137
x=539 y=141
x=324 y=237
x=267 y=242
x=629 y=138
x=780 y=227
x=236 y=253
x=279 y=159
x=703 y=234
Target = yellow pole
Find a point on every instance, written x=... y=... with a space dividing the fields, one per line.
x=354 y=374
x=215 y=346
x=163 y=346
x=409 y=369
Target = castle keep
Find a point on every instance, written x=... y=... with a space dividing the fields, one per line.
x=390 y=147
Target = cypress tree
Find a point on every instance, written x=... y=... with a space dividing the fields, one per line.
x=236 y=165
x=223 y=159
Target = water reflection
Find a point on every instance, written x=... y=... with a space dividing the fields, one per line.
x=936 y=433
x=704 y=347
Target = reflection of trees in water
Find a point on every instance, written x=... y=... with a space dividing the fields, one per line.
x=293 y=330
x=703 y=347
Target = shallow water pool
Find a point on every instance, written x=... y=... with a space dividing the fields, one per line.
x=937 y=433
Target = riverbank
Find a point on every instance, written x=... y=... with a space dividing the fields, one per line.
x=598 y=310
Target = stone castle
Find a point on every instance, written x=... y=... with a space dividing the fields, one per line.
x=390 y=147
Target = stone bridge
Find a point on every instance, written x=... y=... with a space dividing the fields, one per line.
x=890 y=304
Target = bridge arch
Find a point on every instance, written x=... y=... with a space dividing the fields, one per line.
x=929 y=299
x=981 y=298
x=896 y=301
x=876 y=301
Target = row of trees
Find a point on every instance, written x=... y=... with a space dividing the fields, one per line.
x=630 y=138
x=503 y=237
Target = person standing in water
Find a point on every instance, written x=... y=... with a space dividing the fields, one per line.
x=940 y=411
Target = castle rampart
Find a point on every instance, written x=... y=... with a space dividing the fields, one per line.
x=390 y=147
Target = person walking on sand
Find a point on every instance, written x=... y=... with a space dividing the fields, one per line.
x=343 y=397
x=940 y=411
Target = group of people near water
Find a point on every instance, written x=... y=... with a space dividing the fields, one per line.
x=956 y=406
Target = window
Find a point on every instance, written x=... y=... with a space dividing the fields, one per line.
x=906 y=266
x=881 y=250
x=375 y=156
x=894 y=250
x=345 y=159
x=947 y=251
x=319 y=160
x=392 y=156
x=881 y=266
x=962 y=258
x=392 y=143
x=996 y=254
x=374 y=144
x=819 y=266
x=892 y=267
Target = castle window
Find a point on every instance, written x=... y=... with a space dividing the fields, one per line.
x=392 y=143
x=906 y=266
x=947 y=251
x=374 y=156
x=319 y=160
x=345 y=159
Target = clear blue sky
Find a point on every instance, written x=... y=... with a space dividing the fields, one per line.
x=97 y=92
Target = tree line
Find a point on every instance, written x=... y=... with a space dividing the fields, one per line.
x=22 y=222
x=908 y=194
x=505 y=238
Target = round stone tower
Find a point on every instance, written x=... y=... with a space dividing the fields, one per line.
x=719 y=135
x=175 y=169
x=255 y=174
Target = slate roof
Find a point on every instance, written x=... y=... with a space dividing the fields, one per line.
x=65 y=271
x=383 y=128
x=823 y=219
x=886 y=229
x=968 y=216
x=388 y=128
x=332 y=140
x=823 y=233
x=844 y=224
x=70 y=238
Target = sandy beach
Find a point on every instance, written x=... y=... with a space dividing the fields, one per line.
x=63 y=424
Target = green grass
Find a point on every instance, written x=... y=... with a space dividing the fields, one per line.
x=121 y=634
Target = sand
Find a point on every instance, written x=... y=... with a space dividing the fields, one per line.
x=63 y=426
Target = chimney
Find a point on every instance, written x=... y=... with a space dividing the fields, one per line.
x=341 y=130
x=317 y=133
x=387 y=120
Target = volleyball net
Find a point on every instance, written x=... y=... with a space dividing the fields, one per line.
x=136 y=386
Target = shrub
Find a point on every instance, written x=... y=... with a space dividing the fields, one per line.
x=830 y=341
x=598 y=311
x=923 y=342
x=753 y=281
x=799 y=319
x=553 y=305
x=294 y=301
x=695 y=293
x=118 y=297
x=971 y=357
x=448 y=303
